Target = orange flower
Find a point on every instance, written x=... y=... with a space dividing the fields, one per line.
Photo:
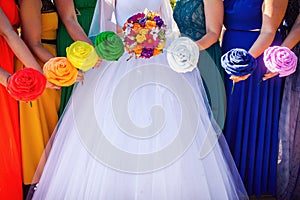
x=60 y=71
x=150 y=24
x=136 y=27
x=138 y=49
x=156 y=51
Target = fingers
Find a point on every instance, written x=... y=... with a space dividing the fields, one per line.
x=52 y=86
x=269 y=74
x=239 y=78
x=80 y=76
x=98 y=63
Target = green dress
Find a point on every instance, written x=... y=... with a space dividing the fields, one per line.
x=84 y=11
x=190 y=18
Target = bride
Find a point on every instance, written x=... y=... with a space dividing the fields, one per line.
x=136 y=129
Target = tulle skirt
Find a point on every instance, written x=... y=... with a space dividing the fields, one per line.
x=135 y=129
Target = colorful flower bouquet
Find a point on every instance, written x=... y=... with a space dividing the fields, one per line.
x=26 y=85
x=144 y=34
x=281 y=60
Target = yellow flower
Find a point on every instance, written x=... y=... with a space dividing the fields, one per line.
x=140 y=38
x=82 y=55
x=161 y=45
x=144 y=31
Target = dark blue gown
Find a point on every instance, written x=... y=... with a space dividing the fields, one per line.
x=251 y=126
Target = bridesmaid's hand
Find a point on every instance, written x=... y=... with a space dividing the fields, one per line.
x=239 y=78
x=80 y=76
x=52 y=86
x=98 y=63
x=269 y=74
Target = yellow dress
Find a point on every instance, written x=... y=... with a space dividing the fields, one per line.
x=37 y=121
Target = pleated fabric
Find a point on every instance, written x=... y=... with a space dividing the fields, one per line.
x=251 y=126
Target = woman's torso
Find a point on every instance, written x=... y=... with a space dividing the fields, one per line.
x=49 y=22
x=243 y=14
x=190 y=18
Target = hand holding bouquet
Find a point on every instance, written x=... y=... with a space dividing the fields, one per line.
x=60 y=71
x=183 y=55
x=279 y=60
x=109 y=46
x=239 y=64
x=82 y=55
x=26 y=85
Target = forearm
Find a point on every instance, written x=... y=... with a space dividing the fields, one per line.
x=207 y=40
x=263 y=41
x=40 y=52
x=3 y=77
x=21 y=50
x=75 y=31
x=294 y=36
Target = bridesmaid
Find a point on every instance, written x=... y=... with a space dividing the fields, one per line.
x=202 y=20
x=288 y=174
x=10 y=155
x=251 y=126
x=76 y=17
x=37 y=121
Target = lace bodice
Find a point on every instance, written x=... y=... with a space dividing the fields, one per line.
x=189 y=15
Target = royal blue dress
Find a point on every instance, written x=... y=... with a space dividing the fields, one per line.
x=251 y=126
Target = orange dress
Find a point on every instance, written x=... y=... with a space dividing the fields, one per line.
x=10 y=156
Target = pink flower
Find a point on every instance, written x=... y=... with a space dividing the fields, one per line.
x=280 y=59
x=150 y=42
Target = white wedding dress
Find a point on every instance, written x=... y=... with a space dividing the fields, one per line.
x=137 y=130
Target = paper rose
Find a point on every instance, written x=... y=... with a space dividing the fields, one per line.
x=109 y=46
x=280 y=59
x=238 y=62
x=183 y=55
x=60 y=71
x=26 y=85
x=82 y=55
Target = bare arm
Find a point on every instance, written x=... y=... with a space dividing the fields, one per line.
x=66 y=11
x=31 y=24
x=273 y=12
x=294 y=36
x=214 y=14
x=17 y=45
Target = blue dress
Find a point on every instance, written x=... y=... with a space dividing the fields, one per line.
x=190 y=18
x=251 y=126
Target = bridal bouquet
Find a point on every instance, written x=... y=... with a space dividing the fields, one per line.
x=144 y=34
x=26 y=85
x=281 y=60
x=60 y=71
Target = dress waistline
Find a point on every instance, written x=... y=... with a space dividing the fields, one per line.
x=252 y=30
